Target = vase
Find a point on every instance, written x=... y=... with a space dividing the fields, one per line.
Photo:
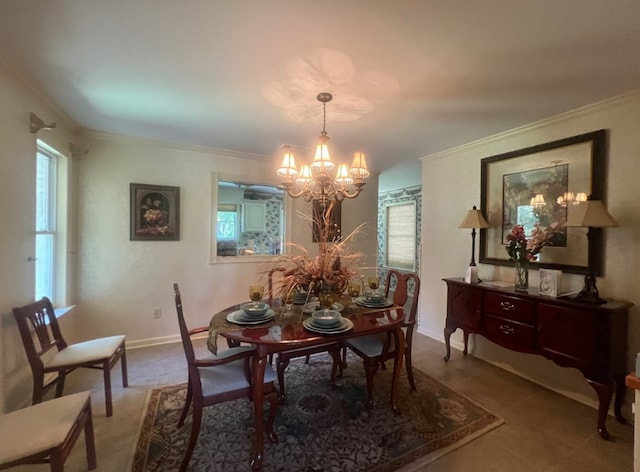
x=522 y=275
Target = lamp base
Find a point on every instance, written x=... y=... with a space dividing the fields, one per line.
x=589 y=294
x=471 y=276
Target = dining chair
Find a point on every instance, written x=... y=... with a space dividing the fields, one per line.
x=46 y=432
x=375 y=349
x=52 y=358
x=217 y=378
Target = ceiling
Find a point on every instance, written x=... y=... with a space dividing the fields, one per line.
x=408 y=77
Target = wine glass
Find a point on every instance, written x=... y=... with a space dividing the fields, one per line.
x=353 y=289
x=256 y=292
x=374 y=283
x=287 y=299
x=326 y=300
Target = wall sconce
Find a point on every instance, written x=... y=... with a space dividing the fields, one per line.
x=591 y=214
x=473 y=219
x=36 y=123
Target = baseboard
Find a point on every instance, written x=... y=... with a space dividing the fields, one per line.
x=148 y=342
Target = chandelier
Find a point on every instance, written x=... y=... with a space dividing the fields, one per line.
x=317 y=181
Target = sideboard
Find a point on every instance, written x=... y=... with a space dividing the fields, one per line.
x=590 y=338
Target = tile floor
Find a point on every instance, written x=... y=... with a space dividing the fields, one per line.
x=543 y=431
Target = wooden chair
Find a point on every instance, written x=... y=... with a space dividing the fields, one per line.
x=216 y=379
x=52 y=359
x=376 y=349
x=46 y=432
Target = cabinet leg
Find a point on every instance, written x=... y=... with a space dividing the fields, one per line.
x=621 y=390
x=447 y=342
x=466 y=342
x=605 y=392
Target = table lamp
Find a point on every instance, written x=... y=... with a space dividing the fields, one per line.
x=591 y=214
x=473 y=219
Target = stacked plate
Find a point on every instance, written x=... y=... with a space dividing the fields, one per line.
x=374 y=301
x=300 y=298
x=327 y=322
x=243 y=318
x=315 y=305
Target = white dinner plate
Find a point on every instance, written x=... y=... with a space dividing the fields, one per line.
x=362 y=301
x=345 y=325
x=240 y=317
x=315 y=306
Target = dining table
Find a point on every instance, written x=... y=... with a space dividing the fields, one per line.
x=288 y=330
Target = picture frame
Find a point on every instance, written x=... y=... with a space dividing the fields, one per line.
x=154 y=212
x=327 y=213
x=509 y=183
x=549 y=281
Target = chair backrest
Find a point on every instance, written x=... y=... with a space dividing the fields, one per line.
x=38 y=320
x=184 y=331
x=272 y=277
x=406 y=288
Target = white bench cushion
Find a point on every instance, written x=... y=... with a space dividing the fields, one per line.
x=38 y=428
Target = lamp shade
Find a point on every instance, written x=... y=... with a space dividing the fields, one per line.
x=592 y=214
x=474 y=219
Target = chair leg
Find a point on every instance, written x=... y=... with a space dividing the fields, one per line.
x=335 y=366
x=281 y=365
x=273 y=407
x=193 y=438
x=56 y=460
x=89 y=440
x=370 y=369
x=409 y=367
x=187 y=404
x=106 y=370
x=123 y=362
x=59 y=385
x=38 y=389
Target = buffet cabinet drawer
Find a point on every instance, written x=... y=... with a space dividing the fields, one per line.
x=509 y=333
x=512 y=308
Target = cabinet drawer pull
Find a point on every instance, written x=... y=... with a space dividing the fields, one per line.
x=506 y=306
x=506 y=329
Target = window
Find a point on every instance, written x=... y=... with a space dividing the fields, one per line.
x=401 y=236
x=46 y=237
x=227 y=224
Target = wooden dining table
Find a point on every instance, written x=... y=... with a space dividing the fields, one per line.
x=286 y=332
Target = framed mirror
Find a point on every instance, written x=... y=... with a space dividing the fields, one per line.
x=542 y=185
x=248 y=220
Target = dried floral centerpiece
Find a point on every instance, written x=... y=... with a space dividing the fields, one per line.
x=330 y=269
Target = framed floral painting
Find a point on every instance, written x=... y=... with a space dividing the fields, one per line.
x=537 y=189
x=154 y=212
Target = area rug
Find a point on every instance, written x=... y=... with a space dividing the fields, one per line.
x=319 y=429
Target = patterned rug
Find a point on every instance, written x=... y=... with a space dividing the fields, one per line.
x=319 y=429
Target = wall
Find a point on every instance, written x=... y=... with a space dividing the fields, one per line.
x=120 y=282
x=445 y=248
x=17 y=208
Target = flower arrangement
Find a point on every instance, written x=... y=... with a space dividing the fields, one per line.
x=331 y=268
x=523 y=250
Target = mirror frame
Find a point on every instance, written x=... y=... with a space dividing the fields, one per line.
x=213 y=252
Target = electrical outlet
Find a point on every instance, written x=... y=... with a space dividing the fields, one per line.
x=157 y=313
